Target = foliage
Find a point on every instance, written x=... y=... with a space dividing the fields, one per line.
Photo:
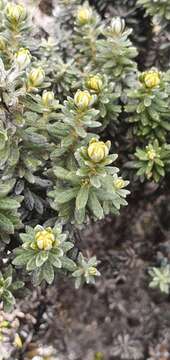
x=159 y=8
x=74 y=108
x=160 y=278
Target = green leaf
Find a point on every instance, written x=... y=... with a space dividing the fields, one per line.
x=95 y=206
x=65 y=196
x=31 y=265
x=6 y=187
x=22 y=259
x=82 y=197
x=48 y=272
x=8 y=203
x=41 y=258
x=68 y=264
x=6 y=225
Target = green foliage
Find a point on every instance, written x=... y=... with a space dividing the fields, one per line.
x=9 y=215
x=43 y=251
x=160 y=278
x=148 y=105
x=151 y=161
x=70 y=104
x=7 y=287
x=158 y=8
x=90 y=186
x=86 y=271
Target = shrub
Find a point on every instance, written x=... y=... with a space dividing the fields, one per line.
x=69 y=105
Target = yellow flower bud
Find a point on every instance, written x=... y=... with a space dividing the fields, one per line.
x=92 y=271
x=117 y=26
x=82 y=99
x=23 y=58
x=151 y=78
x=15 y=13
x=84 y=15
x=151 y=153
x=36 y=77
x=98 y=150
x=94 y=82
x=119 y=183
x=48 y=98
x=45 y=239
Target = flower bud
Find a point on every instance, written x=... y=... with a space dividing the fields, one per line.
x=117 y=26
x=94 y=82
x=15 y=13
x=151 y=153
x=36 y=77
x=82 y=99
x=92 y=271
x=151 y=78
x=23 y=58
x=98 y=150
x=48 y=98
x=119 y=183
x=84 y=15
x=45 y=239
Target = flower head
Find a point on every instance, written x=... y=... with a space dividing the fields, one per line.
x=23 y=58
x=117 y=26
x=84 y=15
x=45 y=239
x=94 y=82
x=151 y=79
x=48 y=98
x=36 y=77
x=119 y=183
x=98 y=150
x=15 y=13
x=82 y=99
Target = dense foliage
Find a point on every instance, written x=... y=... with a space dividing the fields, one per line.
x=74 y=108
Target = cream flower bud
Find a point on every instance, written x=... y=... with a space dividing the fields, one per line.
x=117 y=26
x=15 y=13
x=151 y=153
x=48 y=98
x=151 y=78
x=82 y=99
x=92 y=271
x=119 y=183
x=84 y=15
x=45 y=239
x=94 y=82
x=23 y=58
x=98 y=150
x=36 y=77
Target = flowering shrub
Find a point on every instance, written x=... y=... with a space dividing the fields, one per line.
x=66 y=106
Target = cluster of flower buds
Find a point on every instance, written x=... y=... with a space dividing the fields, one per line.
x=44 y=239
x=15 y=13
x=117 y=26
x=83 y=99
x=119 y=183
x=151 y=153
x=98 y=150
x=84 y=15
x=151 y=78
x=22 y=58
x=94 y=83
x=36 y=77
x=48 y=99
